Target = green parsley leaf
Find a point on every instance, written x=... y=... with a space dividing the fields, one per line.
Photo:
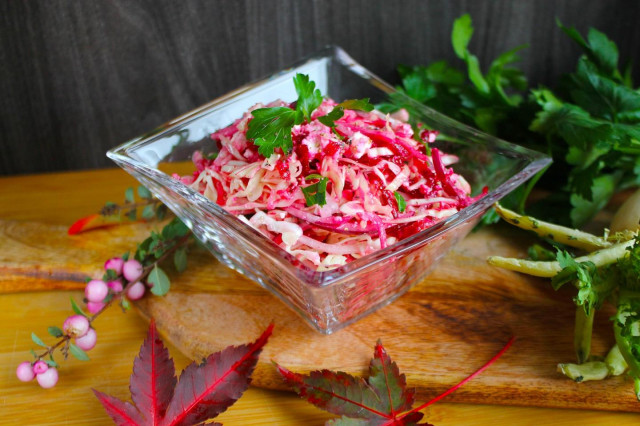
x=402 y=204
x=460 y=37
x=599 y=50
x=270 y=128
x=333 y=116
x=316 y=193
x=309 y=98
x=338 y=112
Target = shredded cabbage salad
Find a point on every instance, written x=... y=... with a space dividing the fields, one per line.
x=341 y=192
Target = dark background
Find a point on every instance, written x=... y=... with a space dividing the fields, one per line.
x=79 y=77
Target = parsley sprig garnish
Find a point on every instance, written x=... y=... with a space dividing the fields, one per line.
x=270 y=128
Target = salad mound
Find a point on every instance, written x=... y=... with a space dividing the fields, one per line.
x=340 y=190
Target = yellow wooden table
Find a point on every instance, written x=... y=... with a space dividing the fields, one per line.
x=63 y=197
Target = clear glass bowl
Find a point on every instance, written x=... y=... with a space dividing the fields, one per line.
x=327 y=300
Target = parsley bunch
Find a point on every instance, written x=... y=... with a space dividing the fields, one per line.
x=591 y=127
x=588 y=124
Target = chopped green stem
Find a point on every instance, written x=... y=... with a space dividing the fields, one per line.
x=616 y=362
x=560 y=234
x=582 y=334
x=594 y=370
x=549 y=269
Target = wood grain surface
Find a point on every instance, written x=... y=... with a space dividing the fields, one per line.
x=80 y=77
x=439 y=332
x=58 y=199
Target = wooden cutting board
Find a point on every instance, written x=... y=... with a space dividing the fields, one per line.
x=439 y=332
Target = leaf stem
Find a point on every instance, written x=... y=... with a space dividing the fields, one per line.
x=582 y=333
x=454 y=388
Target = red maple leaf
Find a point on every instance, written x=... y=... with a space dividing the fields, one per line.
x=381 y=400
x=202 y=392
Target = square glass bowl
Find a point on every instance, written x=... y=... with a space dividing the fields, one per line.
x=327 y=300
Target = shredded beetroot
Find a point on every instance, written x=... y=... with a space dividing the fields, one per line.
x=367 y=159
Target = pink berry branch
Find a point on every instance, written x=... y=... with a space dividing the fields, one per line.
x=124 y=280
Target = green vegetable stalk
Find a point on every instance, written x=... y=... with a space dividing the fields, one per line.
x=611 y=274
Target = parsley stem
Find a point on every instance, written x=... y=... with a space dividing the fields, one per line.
x=582 y=333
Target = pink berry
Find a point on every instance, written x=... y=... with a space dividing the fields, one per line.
x=88 y=341
x=115 y=286
x=76 y=326
x=114 y=263
x=132 y=270
x=96 y=291
x=25 y=372
x=136 y=291
x=40 y=367
x=48 y=379
x=95 y=307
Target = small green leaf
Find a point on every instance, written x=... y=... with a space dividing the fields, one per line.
x=55 y=331
x=109 y=275
x=160 y=281
x=334 y=115
x=309 y=98
x=161 y=211
x=125 y=256
x=35 y=355
x=357 y=104
x=131 y=214
x=143 y=192
x=148 y=212
x=51 y=363
x=37 y=340
x=316 y=193
x=313 y=176
x=461 y=35
x=77 y=309
x=125 y=304
x=78 y=353
x=402 y=204
x=128 y=195
x=180 y=259
x=174 y=229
